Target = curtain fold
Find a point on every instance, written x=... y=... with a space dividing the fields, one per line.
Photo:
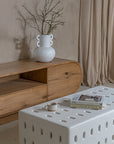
x=96 y=24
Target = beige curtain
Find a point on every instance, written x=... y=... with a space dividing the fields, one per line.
x=96 y=36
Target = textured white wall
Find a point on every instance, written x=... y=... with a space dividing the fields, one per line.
x=66 y=43
x=66 y=36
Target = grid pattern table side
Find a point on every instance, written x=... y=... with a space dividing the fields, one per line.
x=46 y=131
x=67 y=125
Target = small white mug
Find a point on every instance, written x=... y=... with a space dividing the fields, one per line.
x=52 y=107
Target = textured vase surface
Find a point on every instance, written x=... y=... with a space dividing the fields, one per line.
x=44 y=52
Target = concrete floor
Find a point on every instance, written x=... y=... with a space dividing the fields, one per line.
x=9 y=132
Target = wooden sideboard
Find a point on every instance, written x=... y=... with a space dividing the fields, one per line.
x=26 y=83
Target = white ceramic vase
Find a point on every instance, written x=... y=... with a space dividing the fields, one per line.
x=44 y=52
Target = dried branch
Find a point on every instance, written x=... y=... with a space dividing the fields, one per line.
x=46 y=19
x=23 y=21
x=34 y=18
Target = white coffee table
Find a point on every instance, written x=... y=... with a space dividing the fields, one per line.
x=67 y=125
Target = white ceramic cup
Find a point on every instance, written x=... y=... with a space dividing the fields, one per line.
x=52 y=107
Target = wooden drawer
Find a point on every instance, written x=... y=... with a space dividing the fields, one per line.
x=63 y=80
x=12 y=102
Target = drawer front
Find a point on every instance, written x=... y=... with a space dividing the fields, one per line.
x=9 y=118
x=14 y=102
x=63 y=80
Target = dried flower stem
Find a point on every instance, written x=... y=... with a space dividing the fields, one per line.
x=47 y=19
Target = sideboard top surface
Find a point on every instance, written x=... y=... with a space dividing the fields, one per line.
x=17 y=67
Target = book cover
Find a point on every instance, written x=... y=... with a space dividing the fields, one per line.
x=87 y=101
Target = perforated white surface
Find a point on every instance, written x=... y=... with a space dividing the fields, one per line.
x=67 y=125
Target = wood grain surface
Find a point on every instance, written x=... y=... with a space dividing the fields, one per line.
x=27 y=83
x=9 y=118
x=63 y=80
x=15 y=101
x=23 y=66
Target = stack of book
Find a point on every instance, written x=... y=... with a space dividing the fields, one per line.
x=87 y=101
